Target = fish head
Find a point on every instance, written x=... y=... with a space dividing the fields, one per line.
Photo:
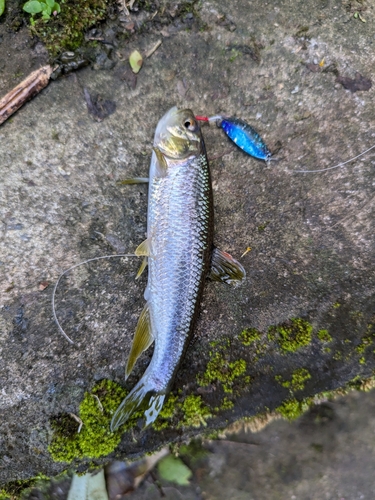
x=178 y=134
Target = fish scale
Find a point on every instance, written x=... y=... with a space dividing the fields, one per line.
x=180 y=239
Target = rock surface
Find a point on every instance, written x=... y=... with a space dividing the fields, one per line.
x=312 y=235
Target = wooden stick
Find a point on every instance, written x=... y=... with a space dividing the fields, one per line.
x=24 y=91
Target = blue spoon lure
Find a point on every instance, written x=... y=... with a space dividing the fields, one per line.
x=243 y=135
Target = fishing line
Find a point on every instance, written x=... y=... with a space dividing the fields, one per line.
x=244 y=136
x=63 y=274
x=339 y=164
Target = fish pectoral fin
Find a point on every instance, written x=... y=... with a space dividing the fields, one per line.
x=144 y=249
x=134 y=180
x=142 y=267
x=143 y=338
x=225 y=268
x=161 y=164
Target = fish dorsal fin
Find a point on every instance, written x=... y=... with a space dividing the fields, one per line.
x=143 y=338
x=225 y=268
x=161 y=163
x=144 y=249
x=142 y=267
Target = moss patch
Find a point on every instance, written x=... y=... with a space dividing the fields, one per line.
x=292 y=335
x=324 y=336
x=13 y=489
x=297 y=382
x=179 y=412
x=219 y=369
x=292 y=408
x=194 y=411
x=95 y=438
x=66 y=30
x=249 y=336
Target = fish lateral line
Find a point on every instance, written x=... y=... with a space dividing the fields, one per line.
x=61 y=330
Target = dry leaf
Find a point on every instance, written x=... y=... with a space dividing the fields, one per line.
x=135 y=61
x=43 y=285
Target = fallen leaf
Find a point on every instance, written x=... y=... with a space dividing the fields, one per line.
x=174 y=470
x=43 y=285
x=355 y=84
x=135 y=61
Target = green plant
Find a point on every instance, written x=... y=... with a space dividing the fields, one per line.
x=44 y=7
x=2 y=6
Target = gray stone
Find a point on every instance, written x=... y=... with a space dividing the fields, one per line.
x=312 y=235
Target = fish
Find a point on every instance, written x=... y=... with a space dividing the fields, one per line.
x=180 y=255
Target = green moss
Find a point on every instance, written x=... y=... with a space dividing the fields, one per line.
x=336 y=305
x=291 y=335
x=249 y=336
x=226 y=404
x=292 y=408
x=193 y=452
x=66 y=30
x=362 y=361
x=367 y=341
x=324 y=336
x=166 y=414
x=219 y=369
x=262 y=227
x=297 y=382
x=14 y=489
x=234 y=54
x=195 y=413
x=95 y=438
x=182 y=412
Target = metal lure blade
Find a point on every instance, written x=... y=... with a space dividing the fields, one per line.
x=245 y=137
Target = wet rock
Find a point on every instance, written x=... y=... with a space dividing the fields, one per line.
x=311 y=235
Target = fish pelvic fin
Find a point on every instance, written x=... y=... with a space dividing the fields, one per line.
x=225 y=268
x=141 y=397
x=143 y=338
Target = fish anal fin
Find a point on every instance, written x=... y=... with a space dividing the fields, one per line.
x=225 y=268
x=143 y=338
x=142 y=267
x=144 y=248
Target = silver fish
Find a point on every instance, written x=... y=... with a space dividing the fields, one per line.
x=179 y=253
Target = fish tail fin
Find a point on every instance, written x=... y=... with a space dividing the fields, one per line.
x=141 y=397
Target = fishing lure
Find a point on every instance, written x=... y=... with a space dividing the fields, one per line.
x=242 y=134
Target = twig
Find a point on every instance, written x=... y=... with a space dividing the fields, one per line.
x=24 y=91
x=153 y=49
x=77 y=419
x=99 y=403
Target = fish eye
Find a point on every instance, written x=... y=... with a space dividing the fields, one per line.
x=189 y=124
